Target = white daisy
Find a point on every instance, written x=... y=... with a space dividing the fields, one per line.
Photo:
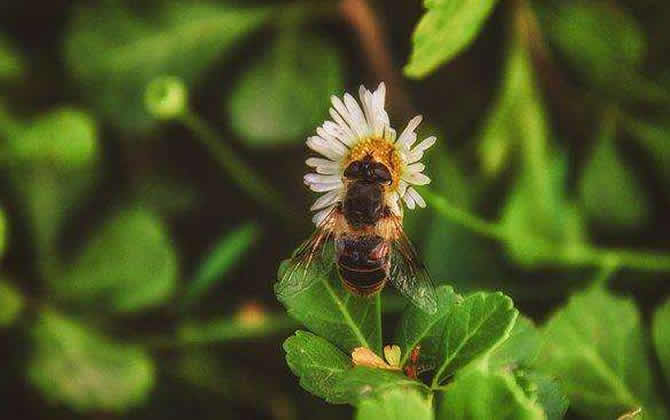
x=356 y=132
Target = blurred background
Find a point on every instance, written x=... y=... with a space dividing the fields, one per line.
x=151 y=163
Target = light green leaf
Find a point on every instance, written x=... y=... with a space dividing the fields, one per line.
x=318 y=363
x=478 y=394
x=447 y=28
x=521 y=347
x=396 y=404
x=284 y=96
x=474 y=328
x=661 y=334
x=332 y=312
x=114 y=52
x=64 y=138
x=609 y=190
x=602 y=42
x=11 y=304
x=548 y=393
x=362 y=383
x=86 y=371
x=11 y=63
x=418 y=327
x=222 y=258
x=130 y=264
x=596 y=346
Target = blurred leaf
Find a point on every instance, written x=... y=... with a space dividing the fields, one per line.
x=549 y=394
x=114 y=52
x=609 y=190
x=167 y=198
x=596 y=346
x=11 y=63
x=655 y=137
x=474 y=328
x=65 y=138
x=361 y=383
x=53 y=164
x=478 y=394
x=396 y=404
x=520 y=349
x=4 y=234
x=284 y=96
x=223 y=257
x=86 y=371
x=233 y=328
x=447 y=28
x=600 y=41
x=661 y=335
x=317 y=363
x=130 y=264
x=332 y=312
x=418 y=327
x=11 y=304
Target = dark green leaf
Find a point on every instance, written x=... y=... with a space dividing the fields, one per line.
x=655 y=138
x=115 y=52
x=661 y=334
x=226 y=253
x=596 y=346
x=332 y=312
x=11 y=63
x=418 y=327
x=130 y=264
x=362 y=383
x=396 y=404
x=474 y=328
x=319 y=364
x=520 y=349
x=3 y=232
x=600 y=41
x=285 y=95
x=11 y=304
x=609 y=190
x=86 y=371
x=478 y=394
x=447 y=28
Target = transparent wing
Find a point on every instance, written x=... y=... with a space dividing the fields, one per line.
x=409 y=275
x=311 y=260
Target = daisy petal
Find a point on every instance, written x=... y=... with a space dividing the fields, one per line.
x=321 y=216
x=316 y=162
x=426 y=144
x=408 y=137
x=326 y=200
x=416 y=178
x=417 y=197
x=321 y=179
x=327 y=149
x=323 y=187
x=407 y=198
x=415 y=167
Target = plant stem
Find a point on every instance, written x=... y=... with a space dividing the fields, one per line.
x=247 y=179
x=378 y=308
x=562 y=254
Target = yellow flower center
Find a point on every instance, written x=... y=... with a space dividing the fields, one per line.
x=380 y=150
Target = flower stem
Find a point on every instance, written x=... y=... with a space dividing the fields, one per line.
x=247 y=179
x=570 y=255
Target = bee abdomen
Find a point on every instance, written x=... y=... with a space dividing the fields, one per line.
x=362 y=281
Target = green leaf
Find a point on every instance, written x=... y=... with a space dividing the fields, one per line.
x=317 y=363
x=130 y=264
x=447 y=28
x=114 y=52
x=548 y=393
x=11 y=63
x=233 y=329
x=418 y=327
x=521 y=347
x=11 y=304
x=362 y=383
x=654 y=136
x=478 y=394
x=600 y=41
x=609 y=190
x=596 y=346
x=330 y=311
x=64 y=138
x=284 y=96
x=85 y=370
x=3 y=232
x=221 y=259
x=661 y=334
x=396 y=404
x=474 y=328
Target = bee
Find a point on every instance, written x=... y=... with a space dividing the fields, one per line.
x=370 y=246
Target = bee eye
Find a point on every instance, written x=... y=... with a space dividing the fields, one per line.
x=354 y=170
x=381 y=174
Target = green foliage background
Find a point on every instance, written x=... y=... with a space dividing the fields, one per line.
x=151 y=161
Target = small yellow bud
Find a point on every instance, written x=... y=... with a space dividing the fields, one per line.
x=392 y=354
x=362 y=356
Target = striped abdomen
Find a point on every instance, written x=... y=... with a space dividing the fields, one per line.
x=362 y=262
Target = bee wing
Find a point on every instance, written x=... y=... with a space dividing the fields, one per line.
x=409 y=275
x=314 y=257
